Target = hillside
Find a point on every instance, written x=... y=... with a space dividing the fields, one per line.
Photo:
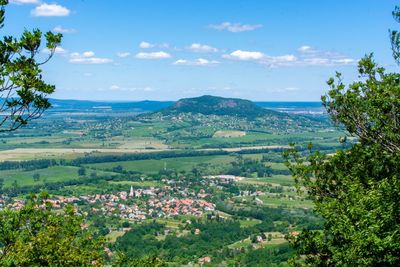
x=214 y=105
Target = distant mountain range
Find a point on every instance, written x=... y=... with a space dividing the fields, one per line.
x=204 y=104
x=85 y=105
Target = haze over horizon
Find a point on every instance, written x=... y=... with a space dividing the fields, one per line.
x=175 y=100
x=167 y=50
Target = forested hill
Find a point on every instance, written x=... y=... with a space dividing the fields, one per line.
x=214 y=105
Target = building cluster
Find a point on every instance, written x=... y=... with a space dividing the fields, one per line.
x=135 y=204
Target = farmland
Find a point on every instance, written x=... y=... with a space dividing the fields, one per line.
x=176 y=177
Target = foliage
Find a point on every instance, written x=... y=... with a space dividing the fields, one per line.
x=148 y=261
x=369 y=108
x=356 y=190
x=213 y=105
x=247 y=167
x=268 y=256
x=81 y=171
x=22 y=88
x=395 y=36
x=144 y=156
x=36 y=236
x=27 y=164
x=213 y=236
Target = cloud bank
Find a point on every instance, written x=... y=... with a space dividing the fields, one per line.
x=234 y=27
x=50 y=10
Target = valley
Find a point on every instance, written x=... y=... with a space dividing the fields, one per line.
x=174 y=175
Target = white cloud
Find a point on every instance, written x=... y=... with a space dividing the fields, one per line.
x=202 y=48
x=285 y=90
x=75 y=54
x=24 y=2
x=88 y=54
x=87 y=57
x=234 y=27
x=164 y=45
x=50 y=10
x=148 y=89
x=180 y=62
x=245 y=55
x=123 y=54
x=115 y=87
x=145 y=45
x=58 y=50
x=60 y=29
x=153 y=55
x=93 y=60
x=316 y=61
x=345 y=61
x=305 y=49
x=197 y=62
x=315 y=57
x=284 y=58
x=308 y=56
x=261 y=58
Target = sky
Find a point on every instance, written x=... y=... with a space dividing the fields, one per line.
x=263 y=50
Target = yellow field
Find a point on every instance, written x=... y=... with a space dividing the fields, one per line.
x=69 y=153
x=229 y=134
x=113 y=235
x=142 y=144
x=66 y=153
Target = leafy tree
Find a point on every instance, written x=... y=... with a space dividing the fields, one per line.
x=125 y=224
x=36 y=177
x=356 y=190
x=395 y=36
x=14 y=184
x=81 y=171
x=36 y=236
x=117 y=168
x=22 y=89
x=121 y=260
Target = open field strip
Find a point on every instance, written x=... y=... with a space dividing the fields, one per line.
x=236 y=149
x=113 y=235
x=229 y=134
x=51 y=174
x=138 y=183
x=274 y=180
x=39 y=153
x=153 y=166
x=276 y=239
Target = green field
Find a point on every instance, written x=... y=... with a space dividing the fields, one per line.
x=249 y=222
x=285 y=180
x=139 y=184
x=154 y=166
x=285 y=201
x=51 y=174
x=258 y=138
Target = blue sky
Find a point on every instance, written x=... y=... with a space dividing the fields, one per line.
x=282 y=50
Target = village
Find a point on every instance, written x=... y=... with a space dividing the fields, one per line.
x=174 y=198
x=135 y=204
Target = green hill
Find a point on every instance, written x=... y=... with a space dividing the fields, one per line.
x=214 y=105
